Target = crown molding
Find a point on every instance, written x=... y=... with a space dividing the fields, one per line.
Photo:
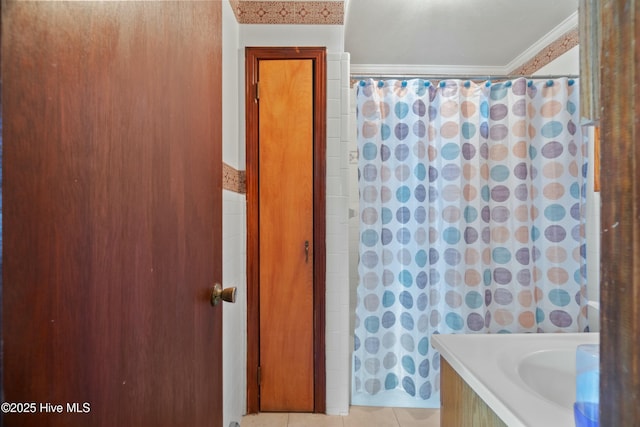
x=409 y=70
x=558 y=33
x=555 y=43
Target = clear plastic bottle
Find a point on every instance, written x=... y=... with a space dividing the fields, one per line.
x=587 y=385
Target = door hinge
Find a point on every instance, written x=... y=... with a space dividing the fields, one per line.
x=259 y=375
x=257 y=91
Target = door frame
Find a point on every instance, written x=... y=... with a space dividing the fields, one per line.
x=252 y=57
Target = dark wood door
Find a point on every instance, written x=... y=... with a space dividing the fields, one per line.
x=112 y=213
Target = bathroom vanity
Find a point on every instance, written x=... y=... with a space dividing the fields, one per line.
x=460 y=404
x=515 y=380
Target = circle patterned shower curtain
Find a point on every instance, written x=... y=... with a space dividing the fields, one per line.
x=472 y=221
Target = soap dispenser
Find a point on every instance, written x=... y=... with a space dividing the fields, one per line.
x=587 y=385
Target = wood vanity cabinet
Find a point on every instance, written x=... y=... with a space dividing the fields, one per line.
x=460 y=405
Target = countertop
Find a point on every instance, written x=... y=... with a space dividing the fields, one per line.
x=490 y=365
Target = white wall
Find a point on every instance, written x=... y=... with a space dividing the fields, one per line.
x=233 y=229
x=337 y=330
x=567 y=63
x=330 y=36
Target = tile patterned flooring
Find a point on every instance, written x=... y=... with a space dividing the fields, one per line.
x=359 y=416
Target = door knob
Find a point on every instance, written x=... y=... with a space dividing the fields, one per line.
x=227 y=294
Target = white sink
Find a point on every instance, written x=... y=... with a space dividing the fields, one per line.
x=528 y=380
x=551 y=375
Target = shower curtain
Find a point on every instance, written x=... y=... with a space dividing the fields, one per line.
x=471 y=213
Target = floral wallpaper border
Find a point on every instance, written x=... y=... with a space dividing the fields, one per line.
x=552 y=51
x=233 y=179
x=288 y=12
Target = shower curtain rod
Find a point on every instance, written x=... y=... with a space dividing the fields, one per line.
x=375 y=76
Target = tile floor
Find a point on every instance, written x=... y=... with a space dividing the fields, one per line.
x=359 y=416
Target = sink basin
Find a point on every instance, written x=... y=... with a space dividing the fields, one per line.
x=551 y=374
x=528 y=380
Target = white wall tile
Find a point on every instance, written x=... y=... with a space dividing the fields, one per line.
x=333 y=90
x=337 y=338
x=234 y=315
x=333 y=68
x=333 y=152
x=345 y=69
x=233 y=230
x=334 y=105
x=333 y=127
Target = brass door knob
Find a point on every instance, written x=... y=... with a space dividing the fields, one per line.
x=227 y=294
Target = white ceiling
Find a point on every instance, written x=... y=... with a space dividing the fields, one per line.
x=447 y=35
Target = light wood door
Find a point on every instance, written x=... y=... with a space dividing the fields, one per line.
x=112 y=212
x=286 y=235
